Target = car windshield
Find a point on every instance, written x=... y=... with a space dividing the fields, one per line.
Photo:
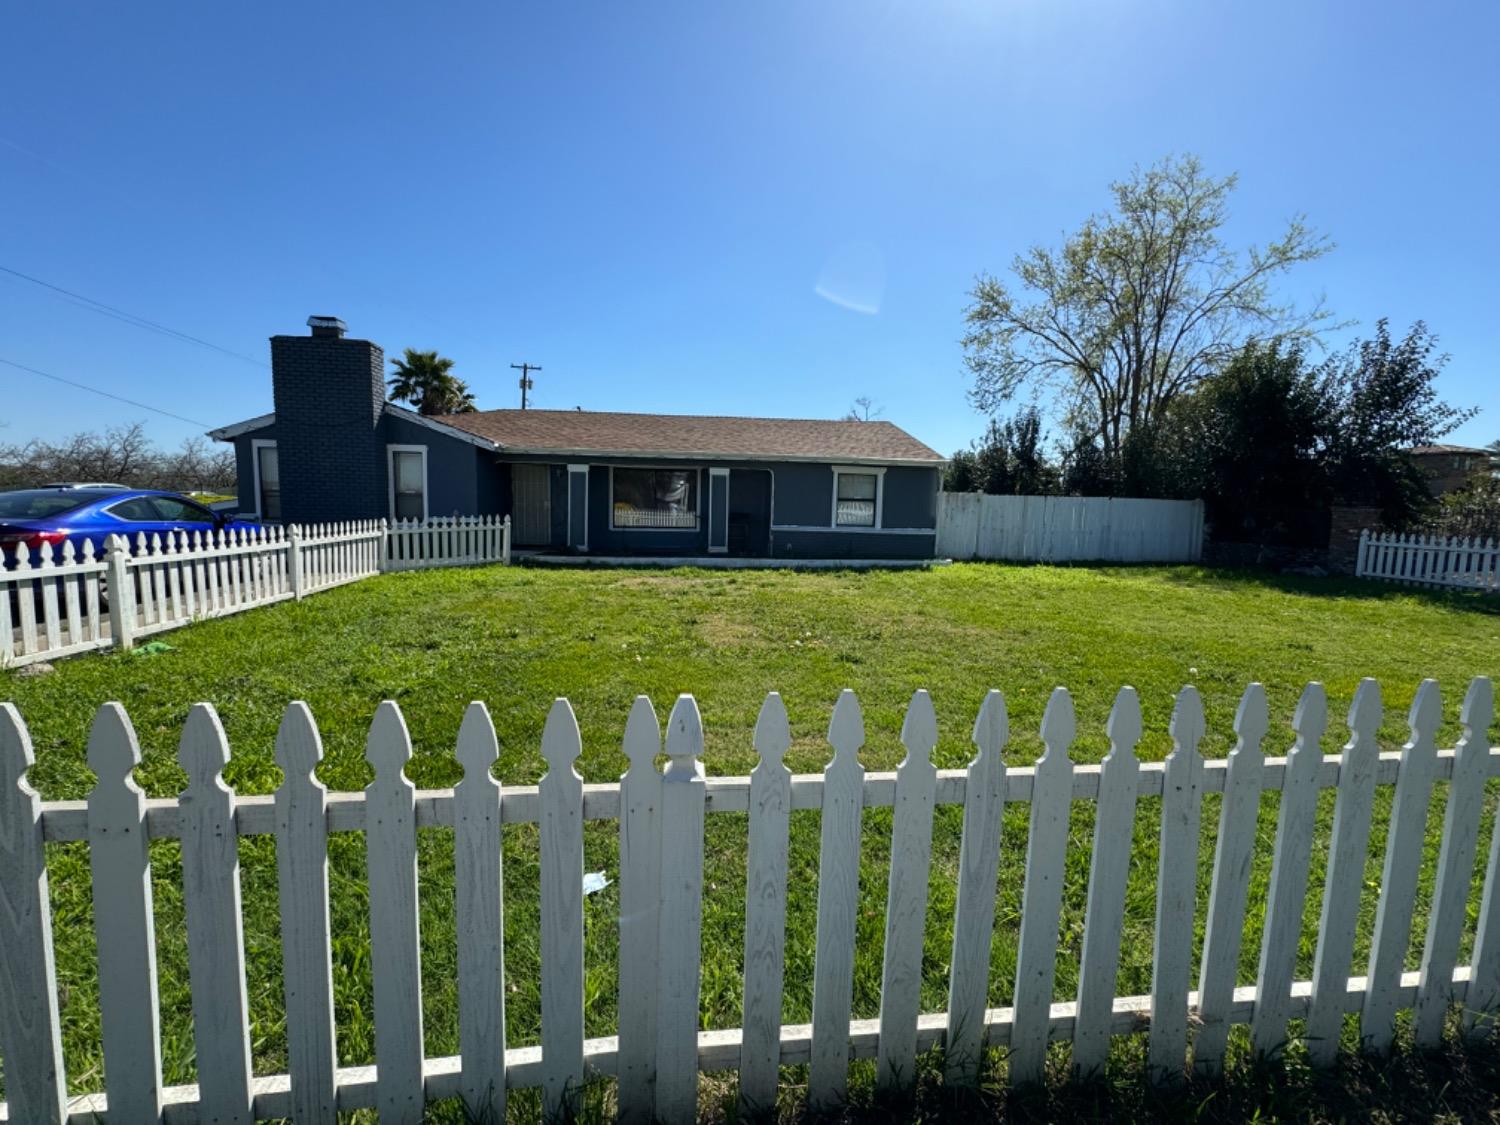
x=41 y=503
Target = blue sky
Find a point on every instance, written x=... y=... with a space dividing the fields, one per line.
x=765 y=208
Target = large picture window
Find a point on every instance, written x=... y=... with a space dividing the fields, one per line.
x=408 y=476
x=659 y=499
x=856 y=502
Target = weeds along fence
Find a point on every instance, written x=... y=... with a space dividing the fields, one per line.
x=658 y=1052
x=1429 y=560
x=61 y=602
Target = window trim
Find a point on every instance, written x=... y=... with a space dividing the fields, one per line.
x=390 y=477
x=876 y=471
x=697 y=497
x=256 y=445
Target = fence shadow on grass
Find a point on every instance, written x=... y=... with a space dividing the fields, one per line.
x=1333 y=586
x=1458 y=1082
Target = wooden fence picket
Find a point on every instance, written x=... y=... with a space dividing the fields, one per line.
x=1109 y=871
x=765 y=911
x=1231 y=881
x=1348 y=848
x=48 y=583
x=838 y=904
x=30 y=1026
x=1041 y=903
x=640 y=908
x=974 y=911
x=302 y=884
x=680 y=963
x=480 y=913
x=215 y=933
x=25 y=584
x=1176 y=892
x=1455 y=865
x=120 y=862
x=1287 y=895
x=561 y=794
x=906 y=898
x=1403 y=860
x=395 y=943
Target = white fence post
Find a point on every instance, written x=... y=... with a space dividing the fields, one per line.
x=294 y=560
x=505 y=543
x=121 y=594
x=561 y=797
x=640 y=908
x=30 y=1028
x=680 y=961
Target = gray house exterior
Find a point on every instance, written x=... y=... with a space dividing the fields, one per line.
x=578 y=482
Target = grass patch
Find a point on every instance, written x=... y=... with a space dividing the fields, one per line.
x=518 y=637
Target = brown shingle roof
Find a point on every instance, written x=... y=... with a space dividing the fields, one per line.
x=691 y=435
x=1423 y=449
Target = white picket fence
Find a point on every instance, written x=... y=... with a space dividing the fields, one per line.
x=974 y=525
x=61 y=603
x=1429 y=560
x=659 y=1050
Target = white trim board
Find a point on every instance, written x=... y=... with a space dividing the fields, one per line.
x=390 y=475
x=256 y=445
x=235 y=429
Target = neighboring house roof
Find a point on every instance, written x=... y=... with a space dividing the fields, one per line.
x=1419 y=450
x=593 y=432
x=261 y=421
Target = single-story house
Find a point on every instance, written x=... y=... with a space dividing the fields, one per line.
x=578 y=481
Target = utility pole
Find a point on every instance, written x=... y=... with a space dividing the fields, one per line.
x=526 y=381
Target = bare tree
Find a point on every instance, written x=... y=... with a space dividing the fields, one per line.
x=120 y=455
x=1136 y=307
x=865 y=409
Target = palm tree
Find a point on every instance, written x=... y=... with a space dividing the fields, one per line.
x=426 y=380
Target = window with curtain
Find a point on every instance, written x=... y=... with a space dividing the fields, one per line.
x=269 y=476
x=856 y=499
x=655 y=498
x=408 y=484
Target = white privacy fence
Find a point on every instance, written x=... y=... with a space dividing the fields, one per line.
x=1429 y=560
x=56 y=603
x=659 y=1050
x=975 y=525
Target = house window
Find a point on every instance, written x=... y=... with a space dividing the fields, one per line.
x=856 y=499
x=267 y=480
x=408 y=477
x=655 y=499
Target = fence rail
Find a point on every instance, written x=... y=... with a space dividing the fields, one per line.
x=659 y=1050
x=973 y=525
x=1429 y=560
x=61 y=602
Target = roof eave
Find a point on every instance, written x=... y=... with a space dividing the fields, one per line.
x=236 y=429
x=700 y=455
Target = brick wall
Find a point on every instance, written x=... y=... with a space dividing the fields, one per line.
x=328 y=393
x=1343 y=535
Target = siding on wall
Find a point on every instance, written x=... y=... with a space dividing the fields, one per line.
x=452 y=469
x=244 y=466
x=851 y=545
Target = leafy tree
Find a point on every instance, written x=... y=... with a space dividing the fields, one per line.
x=1009 y=461
x=1383 y=399
x=1139 y=306
x=1472 y=511
x=865 y=409
x=426 y=380
x=962 y=472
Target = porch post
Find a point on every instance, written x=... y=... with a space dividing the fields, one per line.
x=578 y=508
x=718 y=511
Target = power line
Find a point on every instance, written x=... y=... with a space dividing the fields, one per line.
x=127 y=317
x=106 y=394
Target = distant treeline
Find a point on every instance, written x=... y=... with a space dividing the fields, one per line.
x=119 y=455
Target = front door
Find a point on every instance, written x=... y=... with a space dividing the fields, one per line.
x=531 y=505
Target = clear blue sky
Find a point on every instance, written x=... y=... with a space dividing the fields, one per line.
x=648 y=198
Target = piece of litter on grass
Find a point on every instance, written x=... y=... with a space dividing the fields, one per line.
x=151 y=648
x=594 y=882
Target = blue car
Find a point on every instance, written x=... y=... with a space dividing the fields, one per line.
x=94 y=512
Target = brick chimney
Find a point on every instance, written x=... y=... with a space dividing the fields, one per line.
x=328 y=392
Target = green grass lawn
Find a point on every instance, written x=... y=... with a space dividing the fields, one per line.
x=518 y=637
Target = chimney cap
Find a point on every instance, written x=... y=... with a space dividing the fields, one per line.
x=327 y=326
